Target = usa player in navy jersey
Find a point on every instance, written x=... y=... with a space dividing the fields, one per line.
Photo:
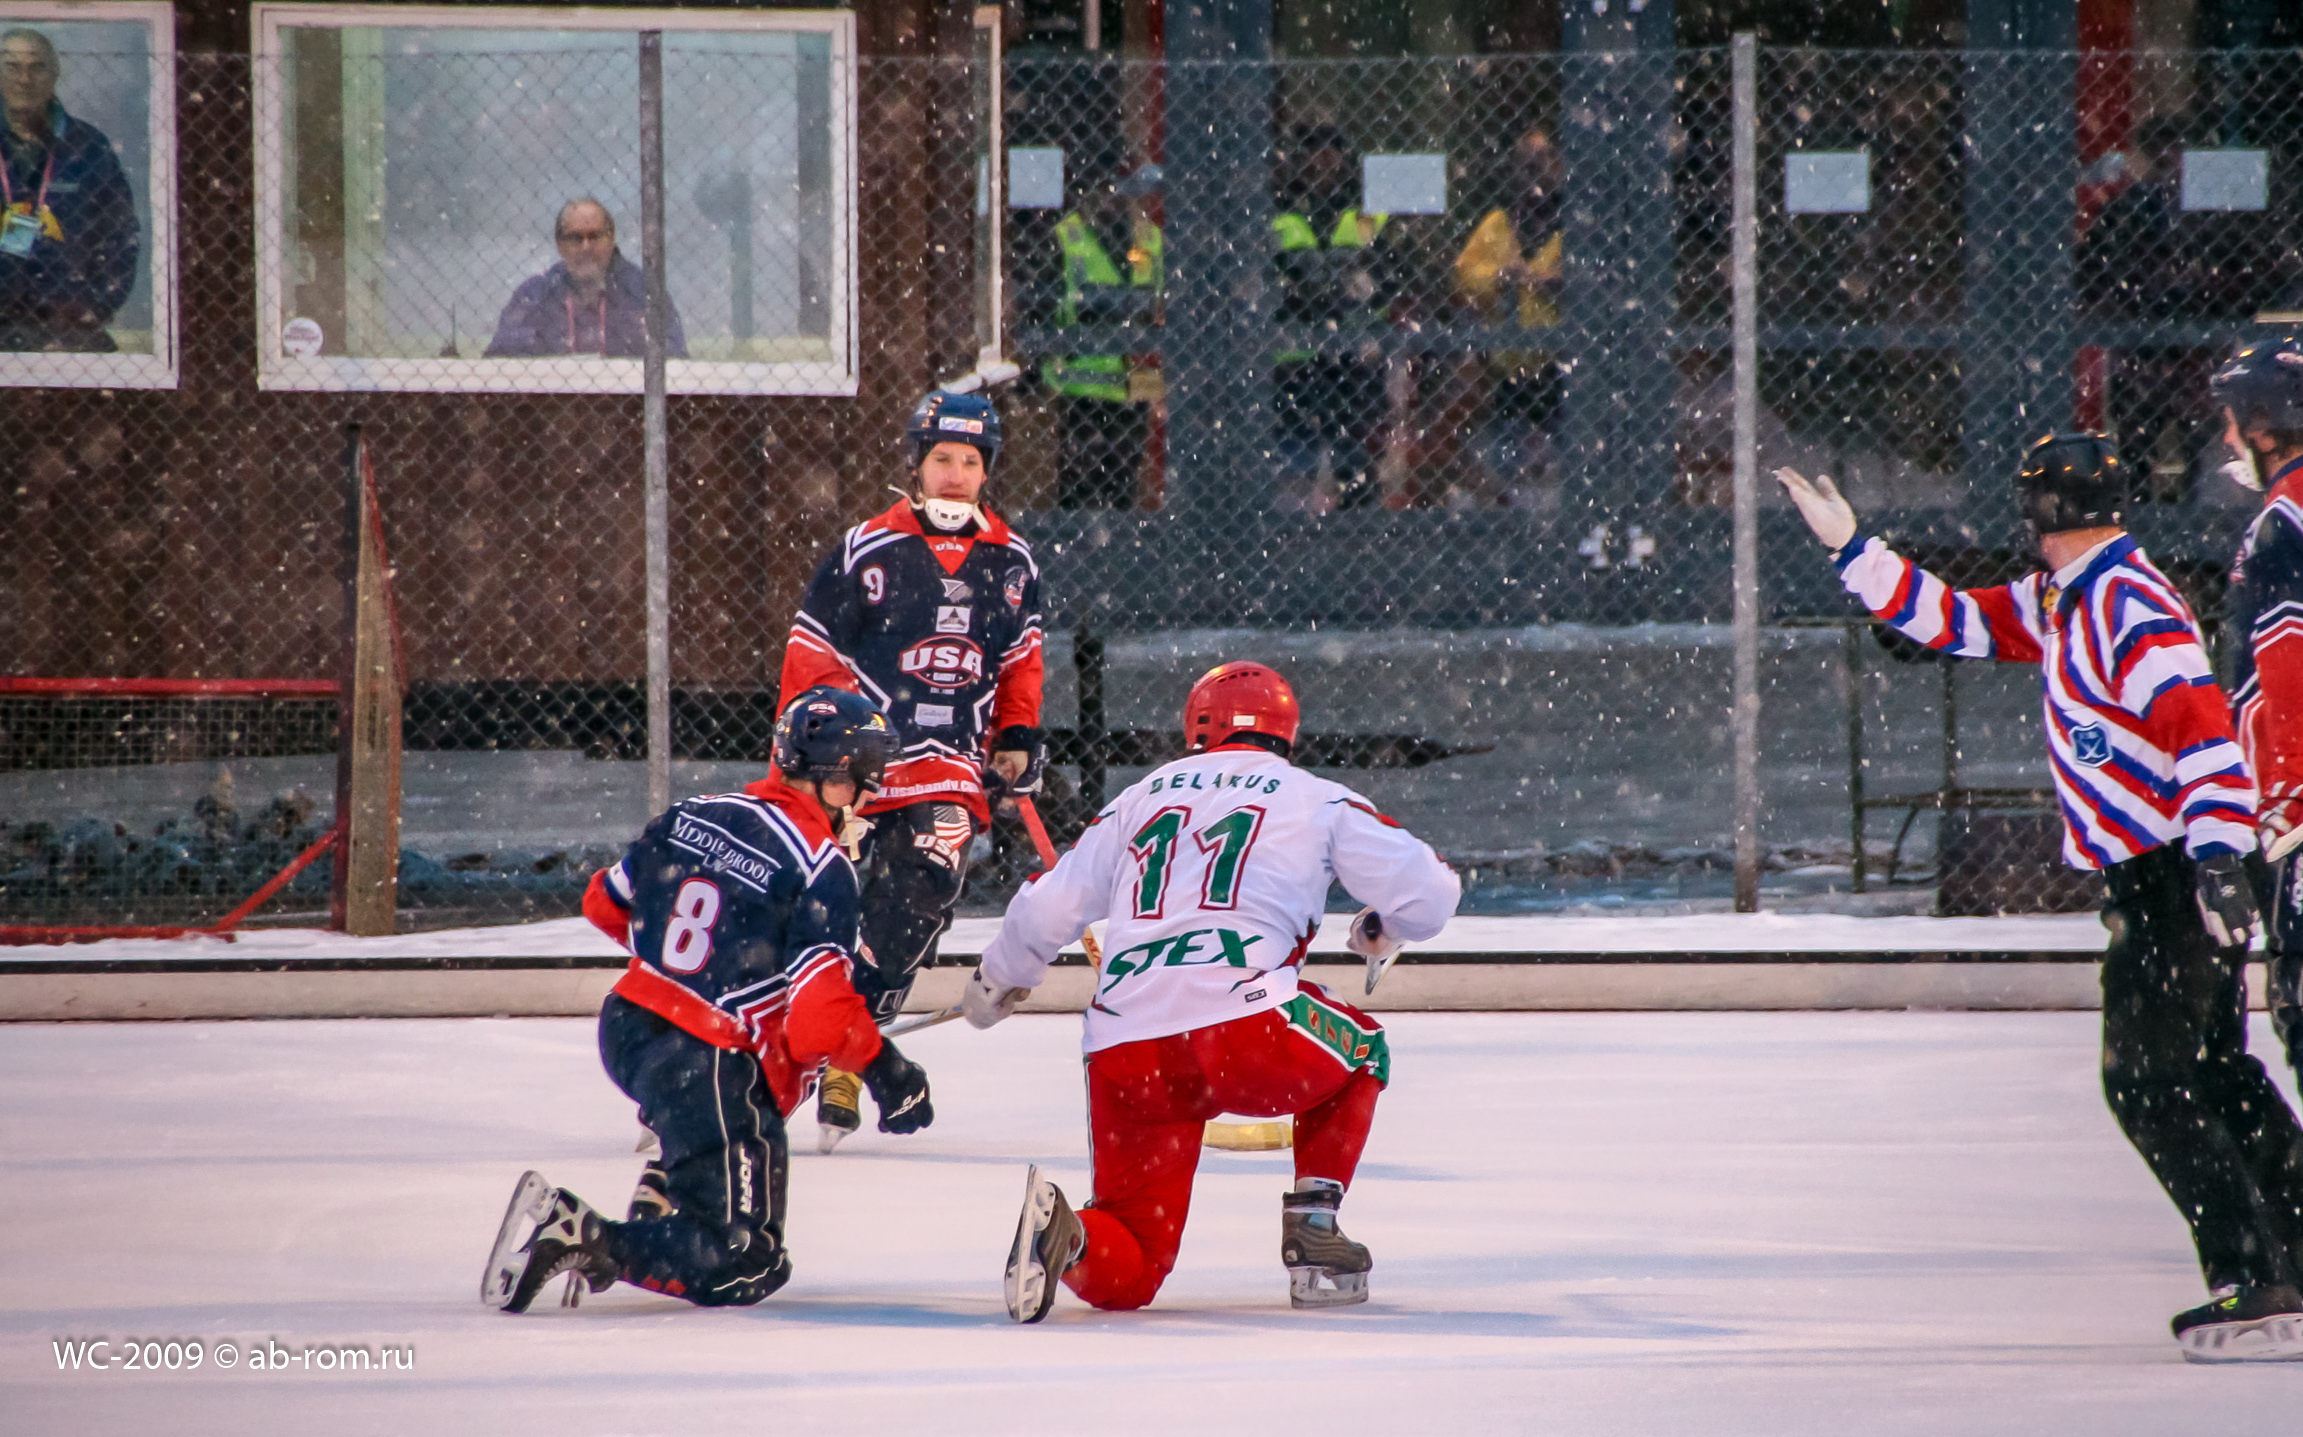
x=740 y=913
x=2259 y=397
x=2156 y=794
x=932 y=610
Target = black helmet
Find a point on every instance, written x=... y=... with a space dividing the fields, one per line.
x=2071 y=481
x=828 y=733
x=944 y=417
x=2263 y=385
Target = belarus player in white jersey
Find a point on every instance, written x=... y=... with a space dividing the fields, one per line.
x=1213 y=873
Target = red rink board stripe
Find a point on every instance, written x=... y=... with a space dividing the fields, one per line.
x=171 y=688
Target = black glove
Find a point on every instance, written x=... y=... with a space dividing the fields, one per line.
x=1022 y=738
x=2226 y=902
x=900 y=1088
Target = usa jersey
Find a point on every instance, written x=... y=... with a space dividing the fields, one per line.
x=2137 y=732
x=2266 y=606
x=942 y=631
x=1213 y=872
x=740 y=912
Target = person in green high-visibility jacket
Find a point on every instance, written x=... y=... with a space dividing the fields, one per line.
x=1334 y=276
x=1114 y=272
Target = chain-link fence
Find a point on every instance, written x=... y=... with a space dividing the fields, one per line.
x=1409 y=376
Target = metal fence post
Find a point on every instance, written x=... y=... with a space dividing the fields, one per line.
x=652 y=425
x=1745 y=242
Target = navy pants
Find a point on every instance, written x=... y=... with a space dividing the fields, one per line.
x=915 y=864
x=2176 y=1071
x=724 y=1163
x=2279 y=893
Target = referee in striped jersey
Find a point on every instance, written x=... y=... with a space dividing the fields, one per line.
x=2155 y=793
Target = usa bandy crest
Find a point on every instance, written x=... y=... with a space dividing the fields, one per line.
x=943 y=664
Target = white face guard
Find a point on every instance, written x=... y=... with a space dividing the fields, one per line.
x=950 y=515
x=2241 y=469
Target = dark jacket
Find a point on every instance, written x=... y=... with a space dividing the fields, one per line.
x=544 y=309
x=93 y=265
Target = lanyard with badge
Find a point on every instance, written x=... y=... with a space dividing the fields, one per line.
x=603 y=324
x=20 y=232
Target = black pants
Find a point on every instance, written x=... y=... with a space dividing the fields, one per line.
x=1103 y=444
x=915 y=865
x=724 y=1163
x=2178 y=1076
x=2279 y=893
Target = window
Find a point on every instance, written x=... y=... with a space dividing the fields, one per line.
x=449 y=199
x=87 y=250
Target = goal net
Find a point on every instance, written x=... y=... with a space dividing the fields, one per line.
x=159 y=805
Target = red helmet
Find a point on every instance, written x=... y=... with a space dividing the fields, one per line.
x=1239 y=698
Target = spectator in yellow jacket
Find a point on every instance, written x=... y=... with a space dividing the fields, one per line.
x=1511 y=269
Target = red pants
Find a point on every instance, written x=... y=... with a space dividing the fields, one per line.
x=1148 y=1104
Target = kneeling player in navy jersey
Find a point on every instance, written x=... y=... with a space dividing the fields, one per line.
x=2157 y=795
x=932 y=610
x=740 y=912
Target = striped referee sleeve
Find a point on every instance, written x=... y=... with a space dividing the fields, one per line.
x=2001 y=622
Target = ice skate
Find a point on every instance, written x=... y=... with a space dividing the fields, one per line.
x=546 y=1231
x=2247 y=1323
x=1049 y=1239
x=651 y=1196
x=1324 y=1268
x=838 y=1108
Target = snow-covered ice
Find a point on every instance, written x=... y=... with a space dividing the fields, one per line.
x=1778 y=1223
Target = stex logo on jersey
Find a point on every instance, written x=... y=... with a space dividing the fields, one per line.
x=1178 y=951
x=945 y=664
x=952 y=618
x=958 y=590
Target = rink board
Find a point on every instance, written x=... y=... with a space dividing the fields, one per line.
x=563 y=968
x=62 y=989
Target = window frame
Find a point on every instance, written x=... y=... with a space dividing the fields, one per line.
x=560 y=374
x=159 y=369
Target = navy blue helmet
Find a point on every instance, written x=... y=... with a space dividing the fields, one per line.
x=2263 y=385
x=954 y=418
x=831 y=733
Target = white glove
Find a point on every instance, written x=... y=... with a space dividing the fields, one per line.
x=1369 y=941
x=984 y=1004
x=1831 y=517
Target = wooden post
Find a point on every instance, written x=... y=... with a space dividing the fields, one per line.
x=368 y=717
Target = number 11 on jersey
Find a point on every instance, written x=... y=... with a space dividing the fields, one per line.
x=1226 y=842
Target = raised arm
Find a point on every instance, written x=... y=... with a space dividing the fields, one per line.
x=2001 y=622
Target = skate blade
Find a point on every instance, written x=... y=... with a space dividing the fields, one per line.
x=2271 y=1339
x=1317 y=1287
x=830 y=1136
x=1030 y=1291
x=531 y=1199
